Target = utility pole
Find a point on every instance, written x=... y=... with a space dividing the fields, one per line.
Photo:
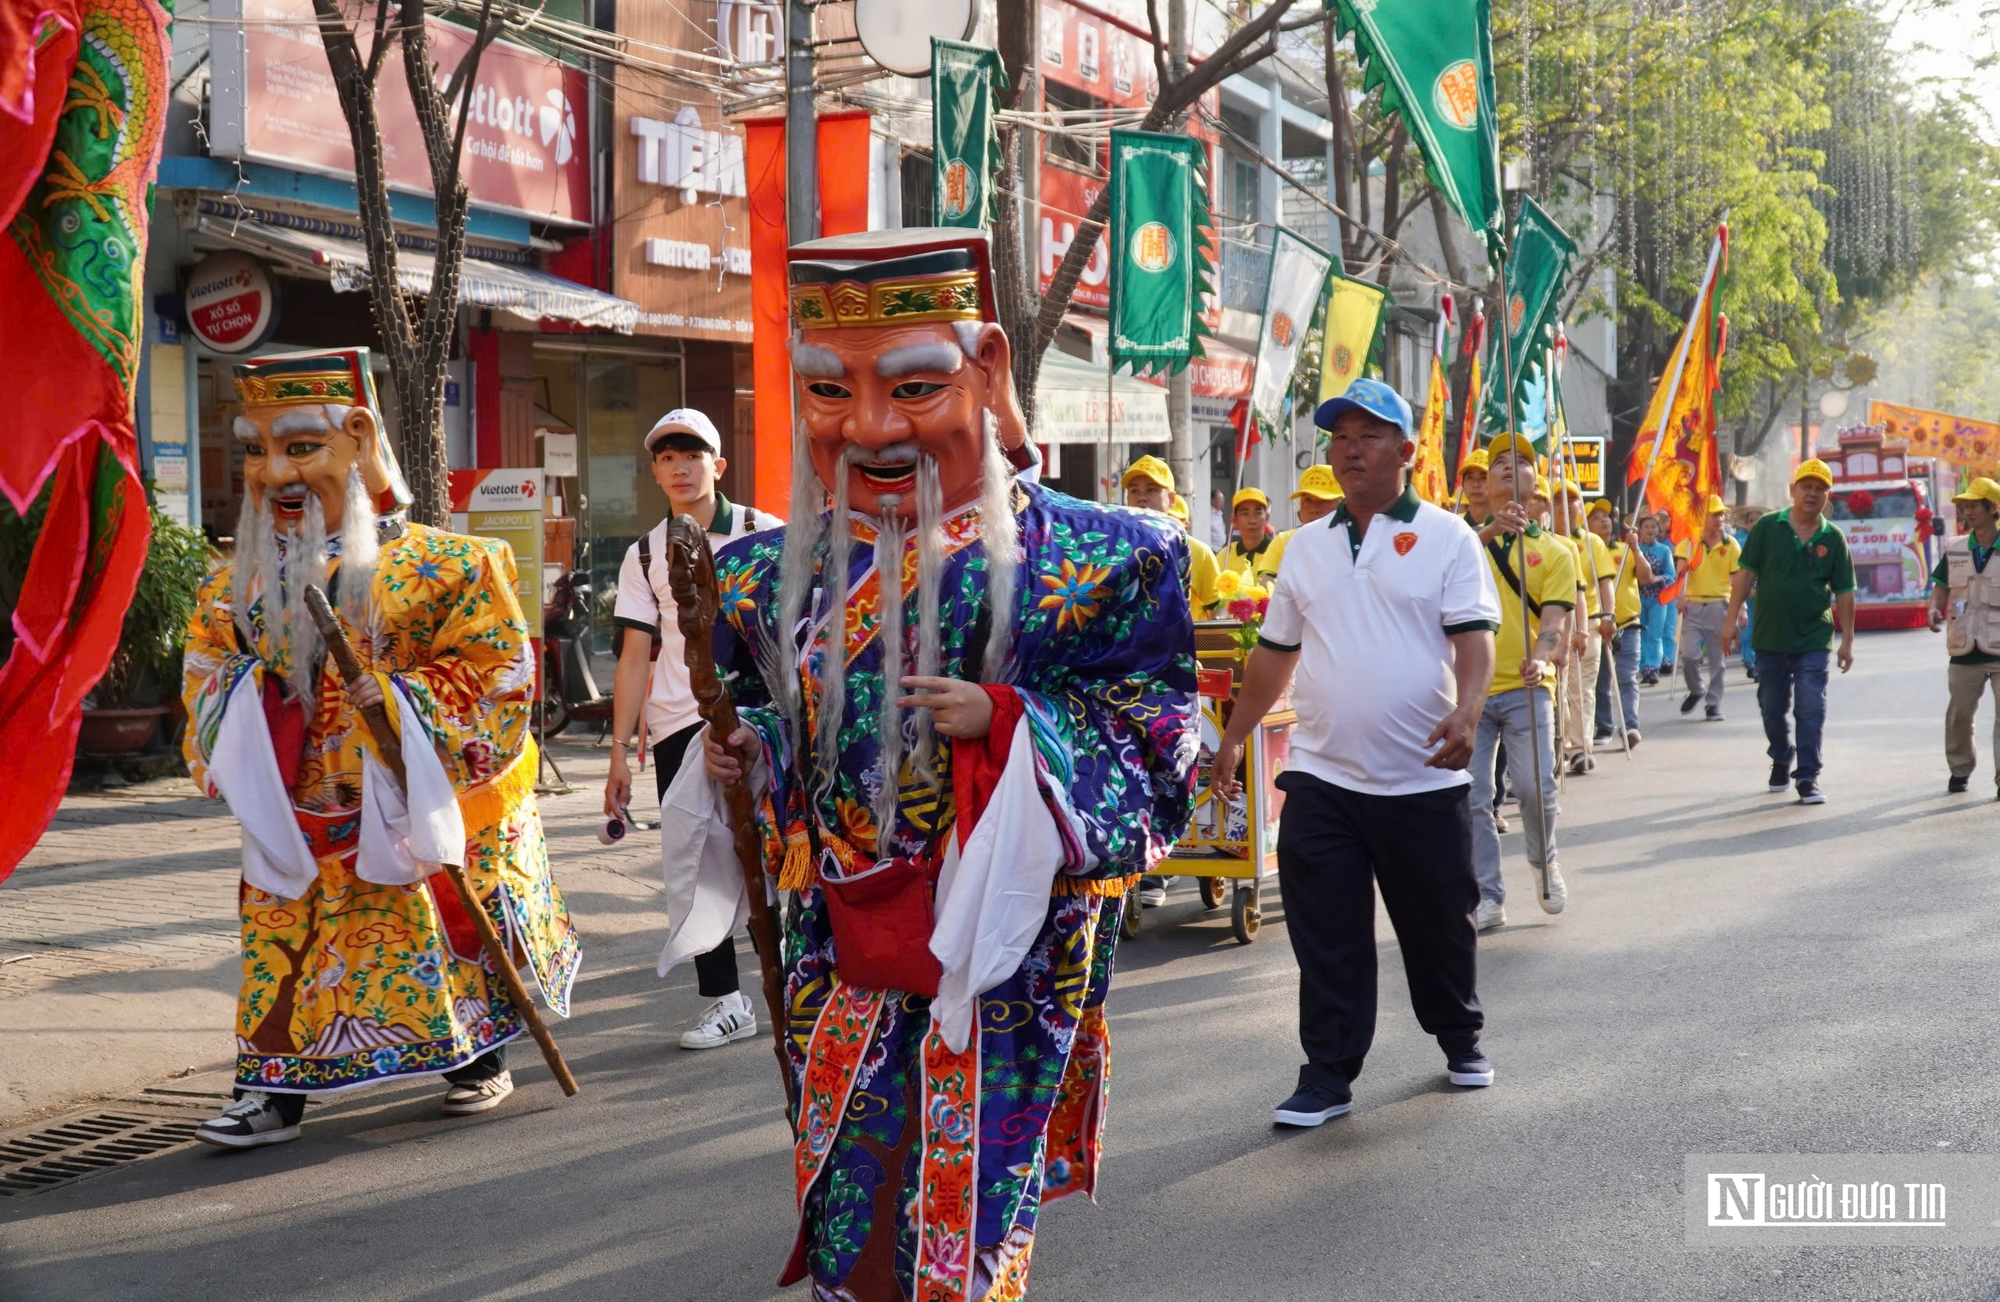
x=801 y=126
x=1180 y=388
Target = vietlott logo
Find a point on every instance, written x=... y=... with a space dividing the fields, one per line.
x=1755 y=1200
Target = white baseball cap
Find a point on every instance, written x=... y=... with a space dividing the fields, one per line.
x=684 y=420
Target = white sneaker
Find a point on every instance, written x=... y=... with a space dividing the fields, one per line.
x=249 y=1122
x=1499 y=823
x=1152 y=892
x=477 y=1096
x=1555 y=895
x=1489 y=915
x=727 y=1020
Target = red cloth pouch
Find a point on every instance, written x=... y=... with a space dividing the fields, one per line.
x=882 y=920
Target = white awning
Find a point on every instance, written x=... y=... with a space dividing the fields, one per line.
x=522 y=291
x=1070 y=404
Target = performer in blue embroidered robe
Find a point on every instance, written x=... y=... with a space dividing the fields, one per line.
x=956 y=851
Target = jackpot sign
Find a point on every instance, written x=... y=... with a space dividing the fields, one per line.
x=527 y=133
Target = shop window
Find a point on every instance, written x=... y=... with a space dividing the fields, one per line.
x=919 y=173
x=1083 y=112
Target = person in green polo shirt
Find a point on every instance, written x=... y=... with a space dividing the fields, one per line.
x=1798 y=564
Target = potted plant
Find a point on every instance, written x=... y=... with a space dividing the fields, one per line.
x=142 y=685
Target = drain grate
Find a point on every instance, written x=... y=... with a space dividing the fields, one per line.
x=78 y=1146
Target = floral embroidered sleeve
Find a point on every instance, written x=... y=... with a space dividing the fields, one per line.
x=1109 y=690
x=744 y=571
x=454 y=636
x=211 y=667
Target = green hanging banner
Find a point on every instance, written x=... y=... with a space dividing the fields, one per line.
x=1538 y=262
x=1433 y=60
x=964 y=145
x=1160 y=264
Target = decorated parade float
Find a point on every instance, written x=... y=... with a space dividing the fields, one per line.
x=1884 y=501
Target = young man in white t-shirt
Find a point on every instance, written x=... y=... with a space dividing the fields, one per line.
x=1386 y=611
x=652 y=670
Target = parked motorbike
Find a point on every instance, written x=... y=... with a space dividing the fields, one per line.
x=569 y=689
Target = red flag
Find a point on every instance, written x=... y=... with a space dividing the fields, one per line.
x=71 y=276
x=1468 y=437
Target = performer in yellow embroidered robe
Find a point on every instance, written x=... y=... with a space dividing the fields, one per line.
x=359 y=964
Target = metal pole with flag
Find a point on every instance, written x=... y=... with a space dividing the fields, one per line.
x=1706 y=330
x=1298 y=273
x=1427 y=475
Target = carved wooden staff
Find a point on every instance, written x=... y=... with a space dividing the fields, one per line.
x=691 y=576
x=377 y=720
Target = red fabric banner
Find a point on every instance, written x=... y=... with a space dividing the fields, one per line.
x=843 y=203
x=71 y=276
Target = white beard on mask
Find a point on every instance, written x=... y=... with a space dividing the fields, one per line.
x=803 y=562
x=286 y=564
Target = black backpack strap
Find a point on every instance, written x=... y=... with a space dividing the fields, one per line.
x=646 y=570
x=1498 y=551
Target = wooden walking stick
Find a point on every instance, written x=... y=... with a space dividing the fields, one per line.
x=377 y=720
x=691 y=576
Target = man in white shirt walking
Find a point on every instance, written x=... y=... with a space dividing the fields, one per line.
x=1386 y=612
x=652 y=671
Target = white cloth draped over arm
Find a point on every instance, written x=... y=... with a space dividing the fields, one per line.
x=993 y=895
x=407 y=835
x=243 y=766
x=705 y=898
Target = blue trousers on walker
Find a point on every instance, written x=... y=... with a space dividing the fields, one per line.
x=1658 y=630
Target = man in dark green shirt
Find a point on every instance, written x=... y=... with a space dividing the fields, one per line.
x=1798 y=564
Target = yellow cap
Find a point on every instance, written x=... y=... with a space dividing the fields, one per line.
x=1510 y=441
x=1477 y=459
x=1814 y=469
x=1716 y=504
x=1178 y=509
x=1542 y=487
x=1571 y=488
x=1249 y=495
x=1602 y=504
x=1981 y=489
x=1318 y=481
x=1148 y=468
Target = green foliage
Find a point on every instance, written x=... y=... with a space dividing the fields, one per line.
x=145 y=670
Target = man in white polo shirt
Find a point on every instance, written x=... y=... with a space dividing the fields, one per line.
x=686 y=455
x=1386 y=612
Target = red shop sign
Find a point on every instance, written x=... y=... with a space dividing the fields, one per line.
x=527 y=145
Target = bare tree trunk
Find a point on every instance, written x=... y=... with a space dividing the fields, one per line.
x=416 y=350
x=1254 y=41
x=1342 y=166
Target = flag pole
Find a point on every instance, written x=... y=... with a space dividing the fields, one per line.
x=1568 y=450
x=1514 y=451
x=1680 y=364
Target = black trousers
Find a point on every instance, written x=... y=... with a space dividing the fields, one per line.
x=1334 y=846
x=715 y=971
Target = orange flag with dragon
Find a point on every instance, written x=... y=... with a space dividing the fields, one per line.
x=1676 y=455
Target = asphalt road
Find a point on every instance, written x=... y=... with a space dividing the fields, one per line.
x=1736 y=973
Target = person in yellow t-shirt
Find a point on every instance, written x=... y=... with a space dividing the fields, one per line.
x=1629 y=569
x=1256 y=551
x=1149 y=486
x=1593 y=631
x=1711 y=560
x=1318 y=494
x=1472 y=488
x=1535 y=570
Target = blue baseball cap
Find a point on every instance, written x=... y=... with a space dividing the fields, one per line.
x=1371 y=396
